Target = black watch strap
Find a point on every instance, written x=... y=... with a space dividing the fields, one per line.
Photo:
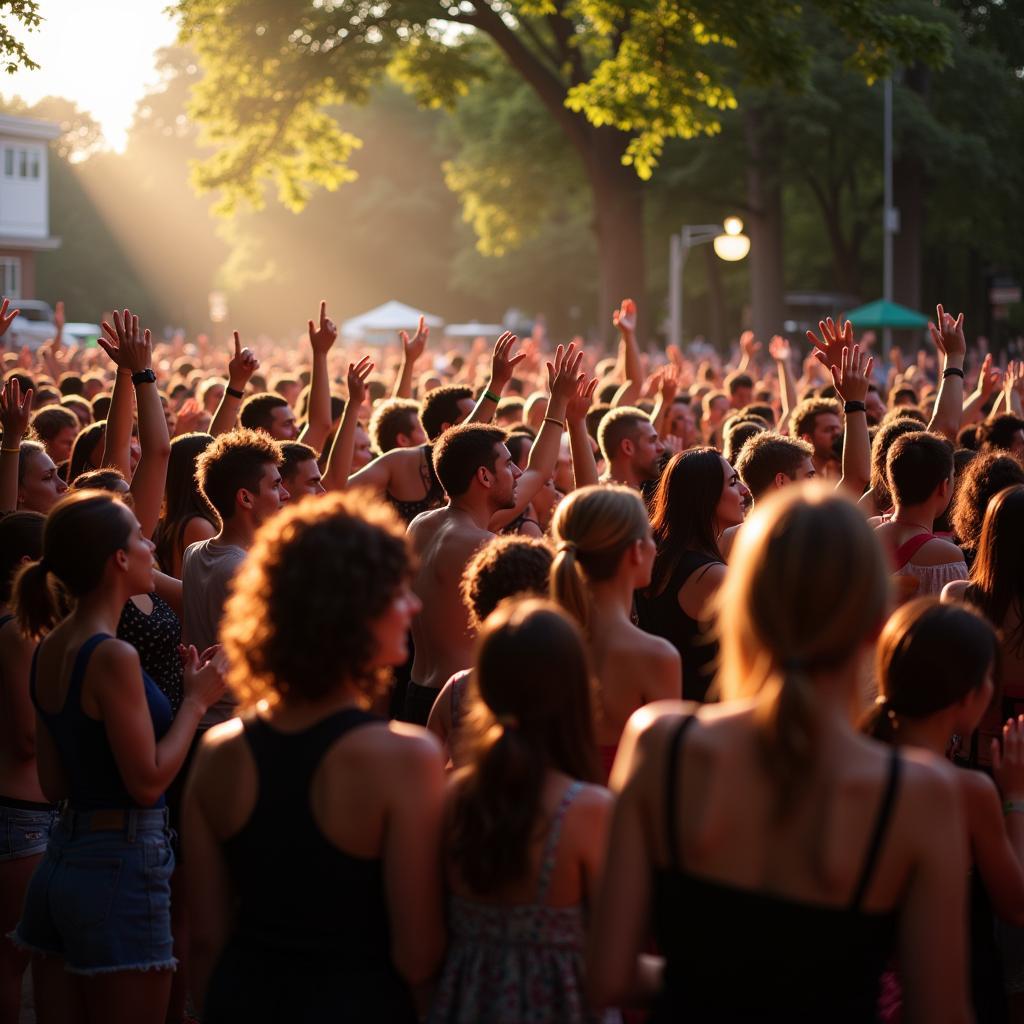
x=144 y=377
x=849 y=407
x=234 y=392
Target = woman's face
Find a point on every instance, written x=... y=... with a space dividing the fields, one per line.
x=59 y=448
x=733 y=501
x=646 y=550
x=40 y=486
x=391 y=628
x=139 y=563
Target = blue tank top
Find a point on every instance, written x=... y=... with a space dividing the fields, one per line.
x=93 y=776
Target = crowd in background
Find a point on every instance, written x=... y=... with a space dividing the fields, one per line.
x=512 y=682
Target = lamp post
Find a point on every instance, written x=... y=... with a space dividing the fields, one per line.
x=730 y=244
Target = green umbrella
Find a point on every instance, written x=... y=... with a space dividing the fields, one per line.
x=879 y=314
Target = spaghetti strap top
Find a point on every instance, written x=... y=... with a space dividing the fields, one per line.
x=434 y=498
x=798 y=961
x=94 y=779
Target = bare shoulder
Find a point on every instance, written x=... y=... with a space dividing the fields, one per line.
x=939 y=551
x=426 y=523
x=955 y=591
x=404 y=746
x=929 y=783
x=112 y=655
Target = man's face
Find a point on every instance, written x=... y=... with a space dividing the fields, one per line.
x=827 y=427
x=717 y=409
x=875 y=408
x=805 y=471
x=270 y=495
x=59 y=449
x=505 y=475
x=415 y=437
x=647 y=452
x=742 y=396
x=304 y=480
x=282 y=424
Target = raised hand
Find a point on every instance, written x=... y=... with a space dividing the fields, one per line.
x=580 y=403
x=564 y=373
x=749 y=346
x=126 y=347
x=242 y=365
x=503 y=362
x=15 y=412
x=671 y=444
x=6 y=318
x=779 y=349
x=948 y=334
x=624 y=318
x=413 y=348
x=190 y=415
x=357 y=375
x=669 y=384
x=1008 y=763
x=203 y=683
x=323 y=335
x=853 y=374
x=988 y=378
x=828 y=349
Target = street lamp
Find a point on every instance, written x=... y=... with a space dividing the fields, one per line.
x=730 y=244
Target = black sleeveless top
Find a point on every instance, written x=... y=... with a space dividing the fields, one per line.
x=434 y=498
x=736 y=954
x=662 y=616
x=311 y=937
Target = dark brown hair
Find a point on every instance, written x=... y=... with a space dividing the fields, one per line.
x=917 y=463
x=391 y=418
x=804 y=418
x=929 y=656
x=997 y=575
x=21 y=536
x=620 y=424
x=257 y=411
x=182 y=498
x=460 y=451
x=81 y=532
x=504 y=567
x=89 y=438
x=440 y=407
x=234 y=461
x=683 y=511
x=986 y=476
x=885 y=436
x=299 y=619
x=766 y=455
x=531 y=713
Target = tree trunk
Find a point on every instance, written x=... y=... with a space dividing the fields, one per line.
x=619 y=226
x=910 y=188
x=765 y=227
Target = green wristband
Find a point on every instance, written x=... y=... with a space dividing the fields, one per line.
x=492 y=396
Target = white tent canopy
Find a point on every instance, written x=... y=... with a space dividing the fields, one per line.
x=392 y=316
x=473 y=330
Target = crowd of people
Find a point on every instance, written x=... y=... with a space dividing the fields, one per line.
x=512 y=683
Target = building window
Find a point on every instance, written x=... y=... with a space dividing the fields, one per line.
x=22 y=163
x=10 y=276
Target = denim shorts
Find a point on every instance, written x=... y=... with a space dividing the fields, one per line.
x=24 y=828
x=101 y=896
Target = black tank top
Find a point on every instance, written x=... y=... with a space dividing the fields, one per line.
x=302 y=902
x=662 y=616
x=740 y=955
x=434 y=498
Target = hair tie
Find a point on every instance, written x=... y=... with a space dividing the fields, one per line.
x=567 y=545
x=508 y=721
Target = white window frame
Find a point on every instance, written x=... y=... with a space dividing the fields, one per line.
x=10 y=276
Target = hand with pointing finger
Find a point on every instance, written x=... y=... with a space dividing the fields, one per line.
x=324 y=334
x=242 y=366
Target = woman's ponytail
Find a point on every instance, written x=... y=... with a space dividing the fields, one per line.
x=35 y=600
x=787 y=714
x=569 y=585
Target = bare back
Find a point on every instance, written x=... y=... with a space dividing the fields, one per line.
x=443 y=542
x=19 y=777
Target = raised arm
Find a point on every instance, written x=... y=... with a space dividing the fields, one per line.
x=584 y=465
x=503 y=365
x=322 y=337
x=628 y=368
x=242 y=366
x=851 y=379
x=133 y=354
x=563 y=378
x=15 y=415
x=948 y=335
x=117 y=438
x=339 y=462
x=988 y=381
x=668 y=388
x=780 y=351
x=411 y=351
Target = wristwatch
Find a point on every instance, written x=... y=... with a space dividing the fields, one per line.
x=144 y=377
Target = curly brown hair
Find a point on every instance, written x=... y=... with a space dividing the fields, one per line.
x=298 y=621
x=984 y=478
x=504 y=567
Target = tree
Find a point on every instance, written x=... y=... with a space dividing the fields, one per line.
x=13 y=54
x=618 y=80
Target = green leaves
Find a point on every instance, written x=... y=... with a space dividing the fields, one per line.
x=13 y=53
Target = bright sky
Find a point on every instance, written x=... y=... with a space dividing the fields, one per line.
x=98 y=53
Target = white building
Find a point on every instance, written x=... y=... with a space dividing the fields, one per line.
x=24 y=201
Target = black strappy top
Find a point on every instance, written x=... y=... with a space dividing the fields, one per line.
x=736 y=954
x=434 y=498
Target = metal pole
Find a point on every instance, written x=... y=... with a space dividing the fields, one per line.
x=888 y=214
x=675 y=290
x=684 y=252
